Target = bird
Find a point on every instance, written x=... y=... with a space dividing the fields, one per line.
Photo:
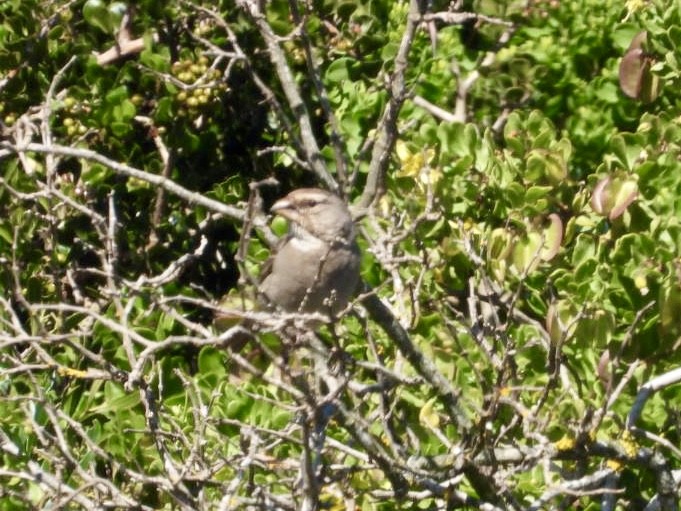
x=315 y=268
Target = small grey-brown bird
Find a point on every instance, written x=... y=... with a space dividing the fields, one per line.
x=316 y=266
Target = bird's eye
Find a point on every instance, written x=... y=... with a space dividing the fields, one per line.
x=308 y=203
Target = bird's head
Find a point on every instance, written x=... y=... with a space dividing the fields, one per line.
x=316 y=212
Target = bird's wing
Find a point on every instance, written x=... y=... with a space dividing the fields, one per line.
x=266 y=268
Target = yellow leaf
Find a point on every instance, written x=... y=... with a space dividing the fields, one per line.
x=402 y=151
x=613 y=465
x=564 y=443
x=428 y=416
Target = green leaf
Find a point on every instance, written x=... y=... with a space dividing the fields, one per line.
x=164 y=110
x=116 y=400
x=116 y=12
x=338 y=70
x=584 y=249
x=117 y=95
x=534 y=193
x=526 y=253
x=5 y=234
x=211 y=361
x=95 y=13
x=119 y=129
x=155 y=60
x=623 y=35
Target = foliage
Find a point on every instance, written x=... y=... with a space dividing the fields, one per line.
x=517 y=193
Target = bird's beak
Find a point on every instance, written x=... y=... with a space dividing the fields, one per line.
x=280 y=204
x=284 y=208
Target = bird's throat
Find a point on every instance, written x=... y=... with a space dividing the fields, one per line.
x=306 y=242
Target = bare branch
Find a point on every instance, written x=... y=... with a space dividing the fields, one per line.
x=313 y=156
x=127 y=170
x=387 y=129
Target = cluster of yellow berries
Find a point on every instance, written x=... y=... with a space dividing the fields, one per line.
x=70 y=121
x=9 y=118
x=202 y=88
